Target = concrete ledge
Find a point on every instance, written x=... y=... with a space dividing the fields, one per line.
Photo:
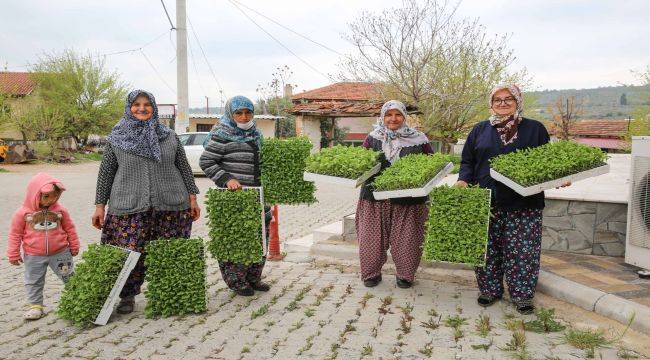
x=600 y=302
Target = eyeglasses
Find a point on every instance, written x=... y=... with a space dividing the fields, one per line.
x=507 y=101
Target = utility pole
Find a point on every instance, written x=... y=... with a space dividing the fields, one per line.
x=207 y=105
x=182 y=118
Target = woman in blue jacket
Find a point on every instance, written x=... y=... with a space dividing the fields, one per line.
x=515 y=233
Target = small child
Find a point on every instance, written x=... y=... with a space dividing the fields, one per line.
x=46 y=233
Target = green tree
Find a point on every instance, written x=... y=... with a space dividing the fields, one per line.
x=80 y=90
x=427 y=57
x=623 y=100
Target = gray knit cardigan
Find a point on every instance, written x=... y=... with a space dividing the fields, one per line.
x=131 y=184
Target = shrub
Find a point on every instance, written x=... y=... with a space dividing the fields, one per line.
x=85 y=293
x=283 y=165
x=547 y=162
x=409 y=172
x=456 y=230
x=234 y=219
x=342 y=161
x=176 y=277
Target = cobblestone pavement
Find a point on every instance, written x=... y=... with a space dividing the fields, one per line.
x=313 y=310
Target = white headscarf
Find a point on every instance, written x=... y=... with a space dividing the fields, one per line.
x=392 y=141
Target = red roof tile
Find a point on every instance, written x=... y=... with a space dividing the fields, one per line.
x=337 y=108
x=16 y=83
x=355 y=136
x=603 y=143
x=341 y=91
x=597 y=128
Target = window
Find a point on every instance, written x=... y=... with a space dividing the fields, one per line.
x=199 y=139
x=184 y=138
x=203 y=127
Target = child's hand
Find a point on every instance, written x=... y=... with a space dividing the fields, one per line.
x=74 y=252
x=16 y=262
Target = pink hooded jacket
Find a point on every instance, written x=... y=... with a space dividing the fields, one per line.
x=41 y=231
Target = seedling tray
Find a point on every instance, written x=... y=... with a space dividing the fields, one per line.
x=308 y=176
x=265 y=247
x=109 y=304
x=417 y=192
x=538 y=188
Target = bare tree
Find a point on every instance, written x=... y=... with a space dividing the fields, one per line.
x=422 y=55
x=565 y=111
x=271 y=100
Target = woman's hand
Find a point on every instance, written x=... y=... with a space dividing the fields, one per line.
x=460 y=184
x=233 y=184
x=568 y=183
x=98 y=216
x=16 y=262
x=195 y=210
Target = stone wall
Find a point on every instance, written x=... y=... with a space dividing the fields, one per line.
x=585 y=227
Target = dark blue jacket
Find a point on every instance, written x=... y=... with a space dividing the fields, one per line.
x=483 y=143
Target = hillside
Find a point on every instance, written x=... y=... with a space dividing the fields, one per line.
x=600 y=103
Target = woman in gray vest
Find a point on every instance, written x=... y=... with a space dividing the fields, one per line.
x=148 y=185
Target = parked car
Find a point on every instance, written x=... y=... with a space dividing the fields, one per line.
x=193 y=144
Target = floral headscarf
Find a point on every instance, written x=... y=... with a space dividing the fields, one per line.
x=507 y=126
x=137 y=137
x=227 y=127
x=392 y=141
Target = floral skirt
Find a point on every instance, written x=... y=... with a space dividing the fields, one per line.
x=134 y=231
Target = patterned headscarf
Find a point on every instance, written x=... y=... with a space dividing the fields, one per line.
x=227 y=127
x=137 y=137
x=392 y=141
x=507 y=126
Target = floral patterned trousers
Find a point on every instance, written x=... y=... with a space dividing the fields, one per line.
x=381 y=226
x=134 y=231
x=514 y=247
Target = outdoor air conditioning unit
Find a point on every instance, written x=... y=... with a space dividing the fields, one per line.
x=637 y=247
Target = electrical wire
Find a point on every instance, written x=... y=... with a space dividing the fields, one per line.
x=153 y=67
x=288 y=29
x=168 y=18
x=280 y=43
x=216 y=80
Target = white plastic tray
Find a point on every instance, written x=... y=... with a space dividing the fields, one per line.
x=535 y=189
x=307 y=176
x=109 y=304
x=417 y=192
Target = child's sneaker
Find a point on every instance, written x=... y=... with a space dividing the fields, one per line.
x=35 y=312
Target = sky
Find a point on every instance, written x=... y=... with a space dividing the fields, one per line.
x=561 y=43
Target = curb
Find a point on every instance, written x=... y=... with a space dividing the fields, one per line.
x=600 y=302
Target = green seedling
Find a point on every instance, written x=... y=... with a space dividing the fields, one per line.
x=85 y=293
x=410 y=172
x=283 y=163
x=456 y=230
x=235 y=222
x=342 y=161
x=545 y=322
x=547 y=162
x=176 y=276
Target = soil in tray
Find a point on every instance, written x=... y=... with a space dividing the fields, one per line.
x=548 y=162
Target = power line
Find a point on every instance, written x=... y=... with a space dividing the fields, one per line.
x=288 y=29
x=168 y=18
x=279 y=42
x=206 y=58
x=196 y=70
x=156 y=71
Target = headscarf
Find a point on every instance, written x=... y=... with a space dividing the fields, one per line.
x=137 y=137
x=227 y=127
x=392 y=141
x=507 y=126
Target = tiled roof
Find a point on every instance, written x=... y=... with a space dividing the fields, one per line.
x=341 y=91
x=597 y=128
x=16 y=83
x=603 y=143
x=337 y=108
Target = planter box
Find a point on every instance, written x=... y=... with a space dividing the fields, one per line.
x=109 y=304
x=538 y=188
x=353 y=183
x=417 y=192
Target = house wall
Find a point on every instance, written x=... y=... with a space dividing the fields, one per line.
x=267 y=127
x=309 y=126
x=8 y=132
